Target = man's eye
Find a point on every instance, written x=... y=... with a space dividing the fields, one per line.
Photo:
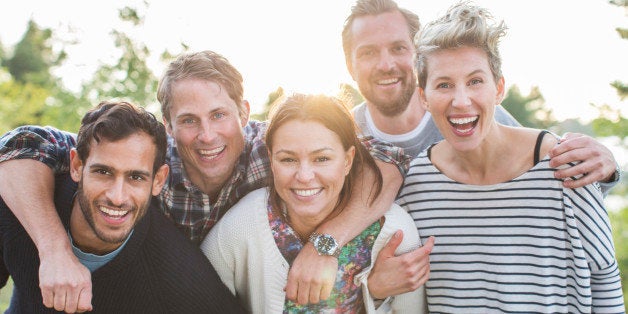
x=400 y=48
x=475 y=81
x=218 y=115
x=137 y=178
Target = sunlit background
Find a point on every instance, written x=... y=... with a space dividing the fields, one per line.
x=570 y=50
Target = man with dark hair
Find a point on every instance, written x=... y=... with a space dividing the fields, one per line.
x=216 y=156
x=139 y=262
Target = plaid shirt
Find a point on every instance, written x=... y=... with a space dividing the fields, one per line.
x=191 y=210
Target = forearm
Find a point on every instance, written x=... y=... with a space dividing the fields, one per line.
x=360 y=211
x=31 y=199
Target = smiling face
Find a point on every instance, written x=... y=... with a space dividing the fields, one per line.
x=382 y=61
x=116 y=183
x=461 y=94
x=207 y=128
x=309 y=167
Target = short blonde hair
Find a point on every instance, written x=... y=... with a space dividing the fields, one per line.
x=464 y=24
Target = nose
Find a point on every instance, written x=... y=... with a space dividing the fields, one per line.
x=305 y=173
x=117 y=192
x=461 y=97
x=205 y=132
x=386 y=61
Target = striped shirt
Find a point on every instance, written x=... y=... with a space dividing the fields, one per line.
x=526 y=245
x=191 y=210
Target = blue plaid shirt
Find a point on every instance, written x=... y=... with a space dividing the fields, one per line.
x=184 y=203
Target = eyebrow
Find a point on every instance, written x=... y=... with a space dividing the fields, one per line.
x=317 y=151
x=111 y=169
x=470 y=74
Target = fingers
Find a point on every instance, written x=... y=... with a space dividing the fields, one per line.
x=391 y=246
x=326 y=291
x=59 y=301
x=85 y=300
x=292 y=287
x=304 y=293
x=47 y=297
x=429 y=245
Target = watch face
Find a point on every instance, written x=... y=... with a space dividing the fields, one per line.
x=325 y=244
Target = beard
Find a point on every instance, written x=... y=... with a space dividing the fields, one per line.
x=392 y=107
x=88 y=209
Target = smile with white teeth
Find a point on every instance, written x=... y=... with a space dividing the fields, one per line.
x=388 y=81
x=308 y=192
x=113 y=213
x=463 y=120
x=211 y=153
x=464 y=125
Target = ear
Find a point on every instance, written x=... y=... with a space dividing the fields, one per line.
x=244 y=112
x=349 y=155
x=76 y=166
x=160 y=179
x=423 y=99
x=168 y=126
x=501 y=86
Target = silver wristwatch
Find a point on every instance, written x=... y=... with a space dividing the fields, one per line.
x=325 y=244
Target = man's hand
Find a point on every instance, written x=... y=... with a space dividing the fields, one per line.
x=393 y=275
x=65 y=283
x=596 y=160
x=311 y=276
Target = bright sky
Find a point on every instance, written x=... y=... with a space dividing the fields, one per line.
x=568 y=48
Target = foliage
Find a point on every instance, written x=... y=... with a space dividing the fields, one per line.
x=130 y=78
x=33 y=57
x=619 y=221
x=529 y=110
x=270 y=101
x=610 y=123
x=350 y=94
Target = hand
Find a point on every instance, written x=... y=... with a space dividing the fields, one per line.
x=393 y=275
x=311 y=276
x=596 y=160
x=65 y=283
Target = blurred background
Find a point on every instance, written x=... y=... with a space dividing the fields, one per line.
x=565 y=62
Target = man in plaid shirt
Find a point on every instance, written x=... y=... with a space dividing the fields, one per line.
x=216 y=156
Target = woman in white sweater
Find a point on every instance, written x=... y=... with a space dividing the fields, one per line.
x=315 y=155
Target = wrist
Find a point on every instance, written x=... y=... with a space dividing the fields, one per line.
x=614 y=177
x=54 y=246
x=325 y=244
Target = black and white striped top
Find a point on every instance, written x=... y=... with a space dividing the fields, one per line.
x=526 y=245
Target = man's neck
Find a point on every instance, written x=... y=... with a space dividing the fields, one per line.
x=83 y=236
x=402 y=123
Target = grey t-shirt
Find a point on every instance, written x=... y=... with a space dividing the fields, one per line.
x=424 y=135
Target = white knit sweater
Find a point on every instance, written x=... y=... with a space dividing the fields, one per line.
x=242 y=249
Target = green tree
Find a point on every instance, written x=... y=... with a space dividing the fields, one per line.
x=350 y=94
x=29 y=93
x=129 y=78
x=529 y=110
x=33 y=57
x=267 y=105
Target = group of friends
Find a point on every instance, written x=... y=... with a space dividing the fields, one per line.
x=427 y=197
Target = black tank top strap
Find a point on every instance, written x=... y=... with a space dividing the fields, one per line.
x=537 y=147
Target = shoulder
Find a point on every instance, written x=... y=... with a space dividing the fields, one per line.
x=396 y=218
